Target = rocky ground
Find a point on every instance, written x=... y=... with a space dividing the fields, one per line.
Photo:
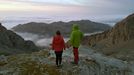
x=43 y=63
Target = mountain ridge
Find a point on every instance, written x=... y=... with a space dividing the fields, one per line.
x=86 y=26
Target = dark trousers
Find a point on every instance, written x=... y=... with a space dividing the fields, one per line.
x=58 y=57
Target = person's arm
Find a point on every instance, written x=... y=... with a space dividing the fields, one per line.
x=82 y=35
x=63 y=43
x=71 y=38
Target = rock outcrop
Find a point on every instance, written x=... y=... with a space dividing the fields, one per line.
x=11 y=43
x=65 y=27
x=117 y=40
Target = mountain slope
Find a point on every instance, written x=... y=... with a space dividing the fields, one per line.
x=117 y=42
x=43 y=63
x=11 y=43
x=65 y=27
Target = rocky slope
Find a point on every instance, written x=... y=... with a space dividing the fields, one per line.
x=43 y=63
x=11 y=43
x=65 y=27
x=117 y=42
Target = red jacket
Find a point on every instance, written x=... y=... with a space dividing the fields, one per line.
x=58 y=43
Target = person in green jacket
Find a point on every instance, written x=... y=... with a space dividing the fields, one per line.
x=75 y=40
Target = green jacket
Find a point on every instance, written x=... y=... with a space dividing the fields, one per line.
x=76 y=36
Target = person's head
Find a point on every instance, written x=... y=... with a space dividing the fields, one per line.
x=75 y=27
x=58 y=32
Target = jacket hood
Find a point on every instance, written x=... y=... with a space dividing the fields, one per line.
x=75 y=27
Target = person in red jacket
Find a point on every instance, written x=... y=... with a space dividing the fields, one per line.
x=58 y=45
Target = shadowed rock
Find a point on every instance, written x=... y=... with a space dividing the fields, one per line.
x=11 y=43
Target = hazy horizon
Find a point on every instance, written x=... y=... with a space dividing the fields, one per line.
x=14 y=12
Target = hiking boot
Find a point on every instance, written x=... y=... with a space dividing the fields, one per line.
x=57 y=65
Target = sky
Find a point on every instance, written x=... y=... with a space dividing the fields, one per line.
x=81 y=9
x=67 y=7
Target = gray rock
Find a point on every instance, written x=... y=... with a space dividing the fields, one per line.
x=11 y=43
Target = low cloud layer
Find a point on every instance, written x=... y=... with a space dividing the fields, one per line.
x=39 y=40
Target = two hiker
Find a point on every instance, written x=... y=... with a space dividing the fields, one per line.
x=58 y=44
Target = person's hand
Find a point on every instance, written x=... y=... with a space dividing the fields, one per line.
x=50 y=44
x=68 y=45
x=52 y=49
x=64 y=49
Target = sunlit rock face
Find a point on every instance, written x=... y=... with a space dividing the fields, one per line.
x=117 y=42
x=122 y=31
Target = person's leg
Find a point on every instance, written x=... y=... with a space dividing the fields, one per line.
x=60 y=57
x=76 y=55
x=56 y=58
